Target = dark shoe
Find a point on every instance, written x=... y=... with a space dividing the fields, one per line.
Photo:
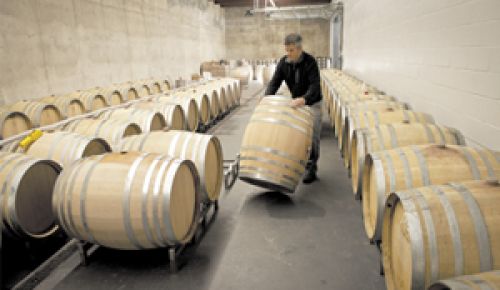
x=309 y=177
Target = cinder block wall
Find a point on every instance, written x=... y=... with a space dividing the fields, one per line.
x=54 y=47
x=254 y=37
x=443 y=57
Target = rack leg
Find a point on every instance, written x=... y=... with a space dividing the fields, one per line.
x=83 y=254
x=172 y=259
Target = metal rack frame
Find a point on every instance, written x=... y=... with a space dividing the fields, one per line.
x=86 y=249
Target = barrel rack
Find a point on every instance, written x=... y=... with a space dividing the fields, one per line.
x=208 y=214
x=208 y=210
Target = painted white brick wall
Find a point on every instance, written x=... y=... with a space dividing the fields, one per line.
x=443 y=57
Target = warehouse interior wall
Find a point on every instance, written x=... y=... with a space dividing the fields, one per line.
x=443 y=57
x=55 y=47
x=254 y=37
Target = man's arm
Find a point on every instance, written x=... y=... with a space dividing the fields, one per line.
x=313 y=92
x=276 y=81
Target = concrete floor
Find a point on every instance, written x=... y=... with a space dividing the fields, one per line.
x=313 y=239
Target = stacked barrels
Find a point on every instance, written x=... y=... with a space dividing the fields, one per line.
x=133 y=162
x=199 y=105
x=188 y=166
x=431 y=202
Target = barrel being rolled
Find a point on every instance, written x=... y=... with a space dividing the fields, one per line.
x=13 y=123
x=392 y=136
x=147 y=119
x=438 y=232
x=276 y=145
x=204 y=150
x=128 y=200
x=369 y=119
x=416 y=166
x=110 y=130
x=481 y=281
x=26 y=193
x=66 y=147
x=173 y=113
x=40 y=114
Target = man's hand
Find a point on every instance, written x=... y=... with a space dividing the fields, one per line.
x=298 y=102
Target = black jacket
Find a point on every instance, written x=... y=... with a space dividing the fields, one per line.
x=302 y=78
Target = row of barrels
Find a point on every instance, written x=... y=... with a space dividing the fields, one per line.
x=431 y=201
x=264 y=73
x=201 y=103
x=323 y=62
x=142 y=192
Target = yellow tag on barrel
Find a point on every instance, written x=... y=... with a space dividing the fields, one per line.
x=30 y=139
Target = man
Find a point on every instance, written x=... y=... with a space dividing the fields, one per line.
x=300 y=72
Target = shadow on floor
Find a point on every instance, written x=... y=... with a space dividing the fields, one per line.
x=282 y=206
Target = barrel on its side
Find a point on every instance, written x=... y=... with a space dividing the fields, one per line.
x=370 y=119
x=343 y=98
x=276 y=145
x=66 y=147
x=173 y=113
x=110 y=130
x=189 y=106
x=392 y=136
x=154 y=87
x=127 y=92
x=40 y=114
x=269 y=73
x=26 y=193
x=221 y=96
x=129 y=200
x=438 y=232
x=147 y=119
x=204 y=150
x=416 y=166
x=67 y=105
x=91 y=100
x=203 y=103
x=213 y=98
x=113 y=97
x=481 y=281
x=13 y=123
x=142 y=89
x=354 y=107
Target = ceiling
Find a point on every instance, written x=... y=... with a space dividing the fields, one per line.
x=279 y=3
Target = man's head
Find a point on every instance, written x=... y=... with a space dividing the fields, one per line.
x=293 y=46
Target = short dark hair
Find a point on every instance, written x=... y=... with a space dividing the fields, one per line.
x=293 y=38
